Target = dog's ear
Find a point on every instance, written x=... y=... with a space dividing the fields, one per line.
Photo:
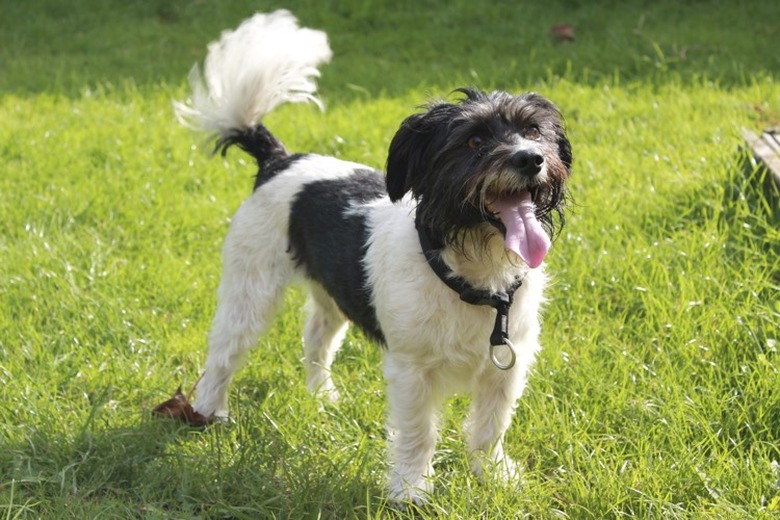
x=564 y=150
x=405 y=159
x=414 y=147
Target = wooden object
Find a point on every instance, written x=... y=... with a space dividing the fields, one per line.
x=766 y=150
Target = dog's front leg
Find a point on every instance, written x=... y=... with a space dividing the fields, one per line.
x=491 y=413
x=412 y=429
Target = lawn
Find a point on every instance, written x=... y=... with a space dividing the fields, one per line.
x=657 y=392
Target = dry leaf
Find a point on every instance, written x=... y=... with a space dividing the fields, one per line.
x=564 y=32
x=178 y=407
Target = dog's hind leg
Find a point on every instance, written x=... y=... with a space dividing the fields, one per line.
x=323 y=334
x=255 y=274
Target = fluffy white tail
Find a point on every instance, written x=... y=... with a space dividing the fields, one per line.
x=268 y=60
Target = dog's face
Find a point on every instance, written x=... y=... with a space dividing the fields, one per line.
x=489 y=159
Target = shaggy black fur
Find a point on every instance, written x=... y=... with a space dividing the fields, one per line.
x=269 y=152
x=447 y=157
x=328 y=237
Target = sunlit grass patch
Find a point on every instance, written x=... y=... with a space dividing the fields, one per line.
x=656 y=393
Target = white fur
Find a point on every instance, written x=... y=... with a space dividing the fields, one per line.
x=436 y=344
x=267 y=61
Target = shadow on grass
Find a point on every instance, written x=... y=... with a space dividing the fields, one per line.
x=741 y=337
x=387 y=47
x=161 y=468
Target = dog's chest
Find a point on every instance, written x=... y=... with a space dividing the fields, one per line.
x=419 y=315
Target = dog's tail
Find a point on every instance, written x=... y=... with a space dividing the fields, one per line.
x=268 y=60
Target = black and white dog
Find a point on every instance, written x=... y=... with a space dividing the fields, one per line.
x=441 y=260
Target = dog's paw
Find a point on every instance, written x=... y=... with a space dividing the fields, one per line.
x=415 y=492
x=404 y=498
x=218 y=415
x=507 y=471
x=323 y=388
x=326 y=393
x=503 y=470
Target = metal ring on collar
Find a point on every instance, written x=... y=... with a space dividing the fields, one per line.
x=499 y=364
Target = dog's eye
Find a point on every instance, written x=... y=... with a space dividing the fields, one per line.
x=532 y=132
x=475 y=142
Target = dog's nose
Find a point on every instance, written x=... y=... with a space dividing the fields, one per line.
x=527 y=162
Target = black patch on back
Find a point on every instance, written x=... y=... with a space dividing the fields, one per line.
x=273 y=165
x=328 y=235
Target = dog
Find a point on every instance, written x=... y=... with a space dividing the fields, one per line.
x=440 y=260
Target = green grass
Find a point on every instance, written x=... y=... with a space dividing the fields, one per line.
x=657 y=393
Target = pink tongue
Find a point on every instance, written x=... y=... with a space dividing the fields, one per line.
x=524 y=233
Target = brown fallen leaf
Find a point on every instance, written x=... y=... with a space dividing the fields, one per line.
x=564 y=32
x=178 y=407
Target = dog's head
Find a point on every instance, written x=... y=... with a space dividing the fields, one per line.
x=492 y=159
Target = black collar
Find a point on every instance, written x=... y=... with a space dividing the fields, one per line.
x=501 y=301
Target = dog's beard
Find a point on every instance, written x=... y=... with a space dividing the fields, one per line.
x=468 y=209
